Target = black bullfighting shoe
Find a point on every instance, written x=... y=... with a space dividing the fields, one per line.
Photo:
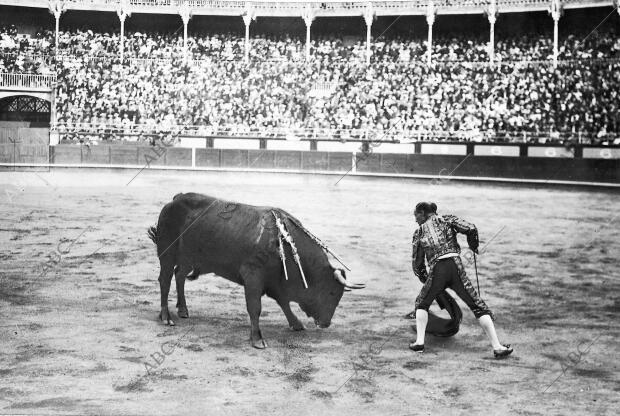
x=415 y=347
x=410 y=315
x=503 y=353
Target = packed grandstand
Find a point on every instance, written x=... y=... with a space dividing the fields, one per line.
x=211 y=88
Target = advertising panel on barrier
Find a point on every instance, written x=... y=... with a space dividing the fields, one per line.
x=193 y=142
x=443 y=149
x=549 y=151
x=394 y=148
x=221 y=143
x=601 y=153
x=288 y=144
x=490 y=150
x=338 y=146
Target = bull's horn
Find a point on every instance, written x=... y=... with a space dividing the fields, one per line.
x=340 y=278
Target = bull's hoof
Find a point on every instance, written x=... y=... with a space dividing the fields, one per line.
x=259 y=344
x=165 y=317
x=297 y=327
x=183 y=313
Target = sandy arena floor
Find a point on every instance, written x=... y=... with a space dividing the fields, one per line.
x=78 y=330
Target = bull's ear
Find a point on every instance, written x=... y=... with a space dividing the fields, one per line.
x=344 y=273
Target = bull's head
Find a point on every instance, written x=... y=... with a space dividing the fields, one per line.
x=322 y=297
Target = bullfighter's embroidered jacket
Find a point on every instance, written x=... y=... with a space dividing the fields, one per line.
x=437 y=237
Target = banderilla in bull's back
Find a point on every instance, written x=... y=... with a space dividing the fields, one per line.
x=264 y=249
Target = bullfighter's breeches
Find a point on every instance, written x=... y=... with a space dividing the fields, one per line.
x=450 y=273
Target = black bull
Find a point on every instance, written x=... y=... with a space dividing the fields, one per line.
x=198 y=234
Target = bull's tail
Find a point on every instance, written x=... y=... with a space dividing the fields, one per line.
x=153 y=233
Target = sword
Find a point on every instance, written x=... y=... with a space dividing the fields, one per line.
x=476 y=268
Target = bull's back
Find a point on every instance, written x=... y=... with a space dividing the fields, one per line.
x=218 y=235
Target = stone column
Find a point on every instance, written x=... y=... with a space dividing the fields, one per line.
x=186 y=13
x=492 y=15
x=430 y=19
x=56 y=7
x=122 y=11
x=555 y=9
x=247 y=19
x=308 y=17
x=369 y=16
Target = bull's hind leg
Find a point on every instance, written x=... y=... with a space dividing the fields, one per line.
x=165 y=279
x=253 y=283
x=179 y=275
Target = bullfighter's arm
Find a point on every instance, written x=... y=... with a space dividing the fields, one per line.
x=461 y=226
x=417 y=258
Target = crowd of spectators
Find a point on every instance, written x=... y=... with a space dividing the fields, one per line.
x=460 y=95
x=525 y=47
x=22 y=53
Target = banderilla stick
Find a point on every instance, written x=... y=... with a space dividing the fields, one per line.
x=324 y=246
x=289 y=239
x=282 y=256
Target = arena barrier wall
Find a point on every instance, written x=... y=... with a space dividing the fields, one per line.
x=23 y=145
x=582 y=165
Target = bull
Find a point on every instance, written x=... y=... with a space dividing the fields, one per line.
x=198 y=234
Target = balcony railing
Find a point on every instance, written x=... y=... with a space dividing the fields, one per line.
x=327 y=4
x=27 y=82
x=318 y=7
x=178 y=59
x=142 y=132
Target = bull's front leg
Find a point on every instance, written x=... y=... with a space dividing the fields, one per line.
x=254 y=285
x=293 y=322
